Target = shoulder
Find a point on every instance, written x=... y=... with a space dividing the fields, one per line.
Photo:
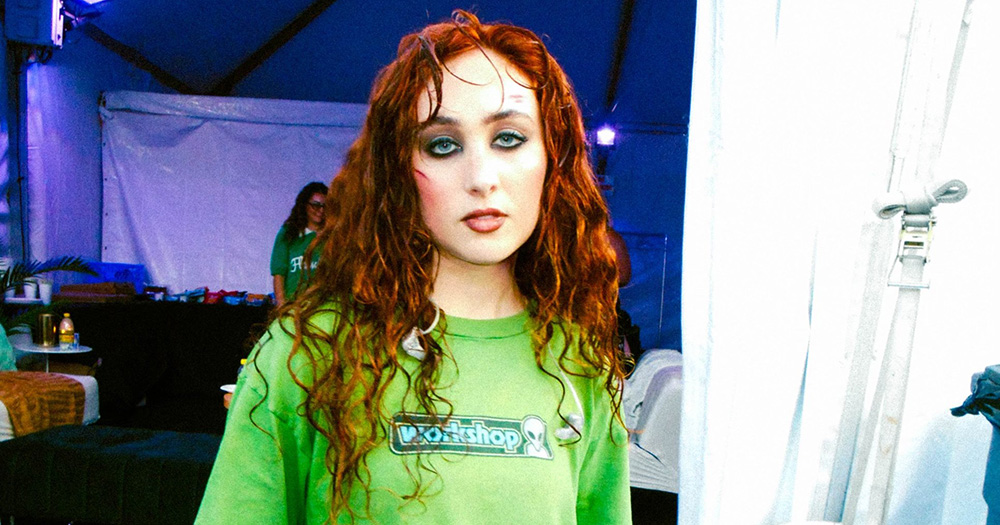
x=579 y=361
x=279 y=238
x=278 y=342
x=570 y=344
x=277 y=363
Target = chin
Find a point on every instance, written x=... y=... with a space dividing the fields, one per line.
x=490 y=260
x=481 y=257
x=480 y=250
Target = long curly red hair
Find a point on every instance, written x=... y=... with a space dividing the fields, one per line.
x=376 y=269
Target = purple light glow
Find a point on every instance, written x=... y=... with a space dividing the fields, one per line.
x=606 y=136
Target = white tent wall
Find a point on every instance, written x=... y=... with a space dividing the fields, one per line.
x=195 y=188
x=65 y=180
x=794 y=116
x=64 y=145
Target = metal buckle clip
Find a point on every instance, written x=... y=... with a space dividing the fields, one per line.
x=914 y=243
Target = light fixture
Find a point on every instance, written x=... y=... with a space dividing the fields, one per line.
x=79 y=12
x=603 y=144
x=83 y=8
x=37 y=23
x=41 y=24
x=606 y=136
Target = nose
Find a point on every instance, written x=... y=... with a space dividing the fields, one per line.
x=483 y=174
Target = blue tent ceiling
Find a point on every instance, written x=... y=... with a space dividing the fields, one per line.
x=629 y=56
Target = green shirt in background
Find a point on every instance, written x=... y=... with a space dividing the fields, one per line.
x=497 y=459
x=7 y=362
x=286 y=258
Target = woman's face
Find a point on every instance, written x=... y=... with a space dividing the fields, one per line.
x=314 y=210
x=480 y=163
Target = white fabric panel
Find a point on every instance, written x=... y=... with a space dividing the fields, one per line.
x=941 y=462
x=651 y=405
x=792 y=124
x=91 y=405
x=64 y=145
x=196 y=188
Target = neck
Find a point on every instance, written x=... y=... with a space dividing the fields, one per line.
x=475 y=291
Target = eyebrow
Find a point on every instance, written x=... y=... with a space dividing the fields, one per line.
x=491 y=118
x=505 y=114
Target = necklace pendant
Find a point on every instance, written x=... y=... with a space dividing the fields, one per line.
x=411 y=344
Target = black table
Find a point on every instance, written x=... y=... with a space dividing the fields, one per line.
x=161 y=364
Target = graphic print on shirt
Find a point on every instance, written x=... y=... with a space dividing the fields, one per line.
x=469 y=435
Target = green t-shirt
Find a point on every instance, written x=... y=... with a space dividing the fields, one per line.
x=286 y=258
x=498 y=459
x=7 y=362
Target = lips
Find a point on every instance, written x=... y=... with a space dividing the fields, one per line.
x=485 y=221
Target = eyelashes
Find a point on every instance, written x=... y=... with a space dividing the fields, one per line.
x=445 y=145
x=441 y=147
x=509 y=139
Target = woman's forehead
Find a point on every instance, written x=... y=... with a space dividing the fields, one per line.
x=478 y=82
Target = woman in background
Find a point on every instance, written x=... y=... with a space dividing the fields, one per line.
x=294 y=237
x=452 y=360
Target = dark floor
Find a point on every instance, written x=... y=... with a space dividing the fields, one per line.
x=653 y=507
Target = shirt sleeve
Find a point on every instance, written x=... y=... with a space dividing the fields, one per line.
x=7 y=362
x=603 y=495
x=261 y=471
x=279 y=254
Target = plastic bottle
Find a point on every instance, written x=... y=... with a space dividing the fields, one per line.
x=66 y=332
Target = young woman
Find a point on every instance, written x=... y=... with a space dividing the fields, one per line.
x=294 y=237
x=453 y=358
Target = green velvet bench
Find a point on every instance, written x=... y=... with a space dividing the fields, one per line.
x=100 y=474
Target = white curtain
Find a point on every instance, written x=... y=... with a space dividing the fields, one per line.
x=195 y=188
x=802 y=114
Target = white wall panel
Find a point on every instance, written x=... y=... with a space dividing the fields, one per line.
x=195 y=188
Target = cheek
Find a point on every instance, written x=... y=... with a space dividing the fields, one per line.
x=533 y=188
x=430 y=199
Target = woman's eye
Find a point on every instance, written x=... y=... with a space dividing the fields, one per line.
x=509 y=139
x=442 y=146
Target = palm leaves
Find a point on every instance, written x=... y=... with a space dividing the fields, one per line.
x=20 y=271
x=17 y=273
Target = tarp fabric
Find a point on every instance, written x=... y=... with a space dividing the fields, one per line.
x=186 y=191
x=802 y=115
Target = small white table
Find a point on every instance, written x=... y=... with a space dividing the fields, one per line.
x=23 y=343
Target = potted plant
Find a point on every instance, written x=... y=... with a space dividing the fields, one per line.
x=16 y=274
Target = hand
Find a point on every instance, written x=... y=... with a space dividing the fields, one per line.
x=226 y=399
